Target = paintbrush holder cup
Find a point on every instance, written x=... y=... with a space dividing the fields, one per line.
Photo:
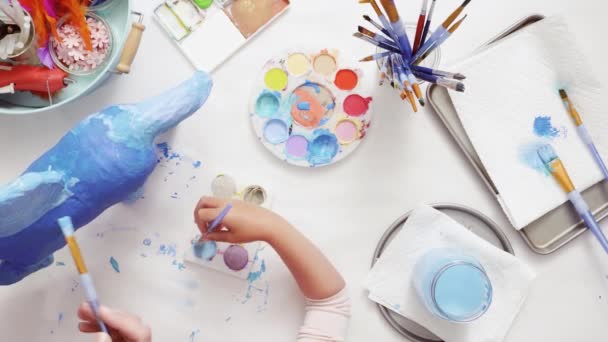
x=431 y=61
x=452 y=285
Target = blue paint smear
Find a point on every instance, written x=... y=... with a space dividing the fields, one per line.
x=164 y=148
x=254 y=276
x=528 y=155
x=313 y=85
x=147 y=242
x=60 y=318
x=180 y=266
x=197 y=164
x=169 y=250
x=59 y=263
x=331 y=106
x=304 y=106
x=193 y=335
x=115 y=264
x=544 y=129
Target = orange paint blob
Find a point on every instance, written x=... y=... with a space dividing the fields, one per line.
x=346 y=79
x=307 y=118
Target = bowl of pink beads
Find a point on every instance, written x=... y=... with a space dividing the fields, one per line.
x=78 y=56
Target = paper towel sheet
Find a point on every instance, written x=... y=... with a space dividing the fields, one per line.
x=512 y=83
x=390 y=280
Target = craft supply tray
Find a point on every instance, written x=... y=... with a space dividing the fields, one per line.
x=119 y=17
x=559 y=226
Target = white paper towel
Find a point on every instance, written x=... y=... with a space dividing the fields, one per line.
x=390 y=280
x=510 y=84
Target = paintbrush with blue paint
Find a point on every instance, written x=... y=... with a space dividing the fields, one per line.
x=376 y=37
x=378 y=26
x=583 y=133
x=202 y=248
x=427 y=25
x=398 y=28
x=67 y=228
x=556 y=168
x=373 y=42
x=426 y=50
x=375 y=56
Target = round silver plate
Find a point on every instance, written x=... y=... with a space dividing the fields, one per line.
x=476 y=222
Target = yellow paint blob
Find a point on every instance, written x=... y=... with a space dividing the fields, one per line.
x=325 y=64
x=297 y=64
x=276 y=79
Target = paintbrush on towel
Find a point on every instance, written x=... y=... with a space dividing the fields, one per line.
x=556 y=168
x=583 y=133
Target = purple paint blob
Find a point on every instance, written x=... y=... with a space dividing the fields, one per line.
x=276 y=131
x=236 y=257
x=297 y=147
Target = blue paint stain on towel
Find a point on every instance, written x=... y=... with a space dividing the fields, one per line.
x=115 y=264
x=197 y=164
x=254 y=276
x=544 y=128
x=60 y=263
x=528 y=155
x=304 y=106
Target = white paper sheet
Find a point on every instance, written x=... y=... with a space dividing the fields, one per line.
x=508 y=86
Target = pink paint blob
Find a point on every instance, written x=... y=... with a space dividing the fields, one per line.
x=346 y=131
x=297 y=147
x=356 y=105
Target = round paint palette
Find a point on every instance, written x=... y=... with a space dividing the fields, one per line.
x=309 y=109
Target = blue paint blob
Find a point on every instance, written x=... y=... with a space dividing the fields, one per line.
x=323 y=149
x=254 y=276
x=197 y=164
x=313 y=85
x=276 y=131
x=115 y=264
x=544 y=129
x=267 y=104
x=304 y=106
x=207 y=250
x=331 y=106
x=164 y=149
x=147 y=242
x=528 y=155
x=462 y=291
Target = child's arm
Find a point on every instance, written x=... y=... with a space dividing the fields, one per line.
x=328 y=303
x=315 y=275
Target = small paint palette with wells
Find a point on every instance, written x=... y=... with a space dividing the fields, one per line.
x=232 y=259
x=310 y=109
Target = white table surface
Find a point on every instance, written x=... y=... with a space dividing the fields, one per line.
x=407 y=159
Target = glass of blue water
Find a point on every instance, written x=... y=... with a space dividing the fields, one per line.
x=453 y=285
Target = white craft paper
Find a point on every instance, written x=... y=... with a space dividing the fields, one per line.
x=390 y=280
x=510 y=84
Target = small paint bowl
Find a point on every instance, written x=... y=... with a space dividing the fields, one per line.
x=223 y=186
x=276 y=131
x=298 y=64
x=254 y=194
x=267 y=104
x=296 y=147
x=82 y=72
x=323 y=149
x=347 y=131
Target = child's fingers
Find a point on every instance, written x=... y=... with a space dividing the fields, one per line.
x=208 y=203
x=205 y=216
x=103 y=338
x=222 y=236
x=88 y=327
x=85 y=312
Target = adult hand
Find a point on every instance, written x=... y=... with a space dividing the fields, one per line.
x=124 y=327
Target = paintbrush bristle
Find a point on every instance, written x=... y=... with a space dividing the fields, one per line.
x=563 y=94
x=365 y=31
x=364 y=1
x=422 y=102
x=359 y=35
x=547 y=154
x=459 y=76
x=460 y=87
x=464 y=4
x=367 y=17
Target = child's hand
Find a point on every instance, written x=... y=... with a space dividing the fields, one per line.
x=244 y=223
x=124 y=327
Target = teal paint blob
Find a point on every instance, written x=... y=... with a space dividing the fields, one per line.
x=276 y=131
x=462 y=291
x=267 y=104
x=323 y=149
x=206 y=250
x=115 y=264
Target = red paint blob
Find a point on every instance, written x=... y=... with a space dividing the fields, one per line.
x=346 y=79
x=356 y=105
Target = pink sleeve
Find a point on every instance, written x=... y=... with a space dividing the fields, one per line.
x=326 y=319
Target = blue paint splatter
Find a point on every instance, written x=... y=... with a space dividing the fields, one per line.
x=544 y=128
x=528 y=155
x=331 y=106
x=164 y=148
x=197 y=164
x=397 y=307
x=253 y=276
x=60 y=318
x=60 y=263
x=147 y=242
x=193 y=335
x=180 y=266
x=304 y=106
x=174 y=195
x=169 y=250
x=313 y=85
x=115 y=264
x=175 y=156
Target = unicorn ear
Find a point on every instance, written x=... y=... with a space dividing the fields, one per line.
x=28 y=198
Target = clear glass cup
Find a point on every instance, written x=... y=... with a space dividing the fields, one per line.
x=453 y=285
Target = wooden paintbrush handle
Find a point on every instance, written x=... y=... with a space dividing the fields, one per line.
x=131 y=47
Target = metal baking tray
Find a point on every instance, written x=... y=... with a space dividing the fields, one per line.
x=559 y=226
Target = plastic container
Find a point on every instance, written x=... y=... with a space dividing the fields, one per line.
x=453 y=285
x=119 y=17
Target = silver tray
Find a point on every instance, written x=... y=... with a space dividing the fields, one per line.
x=556 y=228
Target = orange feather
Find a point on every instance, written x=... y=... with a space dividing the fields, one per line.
x=77 y=11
